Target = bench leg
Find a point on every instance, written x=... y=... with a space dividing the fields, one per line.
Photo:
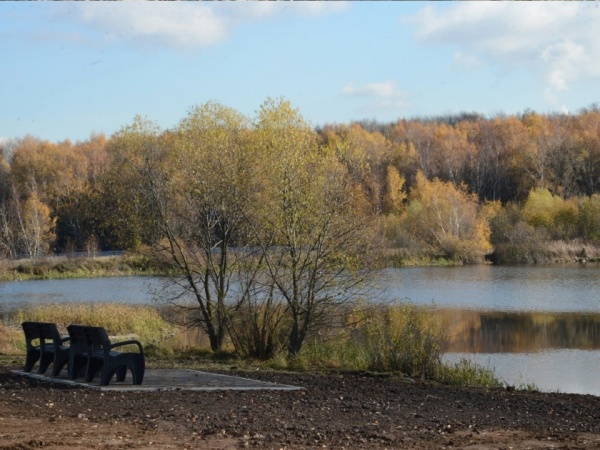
x=76 y=367
x=106 y=376
x=45 y=361
x=137 y=371
x=58 y=366
x=92 y=369
x=30 y=360
x=121 y=373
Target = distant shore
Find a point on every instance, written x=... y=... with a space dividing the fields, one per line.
x=88 y=265
x=78 y=266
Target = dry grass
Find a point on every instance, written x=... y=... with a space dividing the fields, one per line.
x=54 y=267
x=572 y=251
x=143 y=323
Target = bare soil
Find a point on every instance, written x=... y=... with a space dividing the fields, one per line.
x=333 y=411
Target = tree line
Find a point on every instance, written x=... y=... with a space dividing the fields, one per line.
x=457 y=187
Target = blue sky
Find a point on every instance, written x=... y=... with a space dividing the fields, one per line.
x=73 y=68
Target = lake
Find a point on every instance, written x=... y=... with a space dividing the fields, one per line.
x=530 y=324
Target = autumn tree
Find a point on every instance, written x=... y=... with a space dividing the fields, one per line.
x=312 y=236
x=446 y=219
x=58 y=173
x=136 y=160
x=204 y=222
x=422 y=137
x=8 y=244
x=551 y=212
x=588 y=220
x=395 y=194
x=537 y=157
x=586 y=158
x=452 y=151
x=37 y=227
x=364 y=154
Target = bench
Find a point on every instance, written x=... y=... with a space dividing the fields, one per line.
x=49 y=350
x=92 y=351
x=78 y=357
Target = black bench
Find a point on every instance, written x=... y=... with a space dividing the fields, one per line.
x=49 y=350
x=78 y=356
x=92 y=349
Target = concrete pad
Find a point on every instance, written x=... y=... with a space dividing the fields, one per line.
x=170 y=379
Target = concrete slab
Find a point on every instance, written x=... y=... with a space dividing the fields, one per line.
x=170 y=379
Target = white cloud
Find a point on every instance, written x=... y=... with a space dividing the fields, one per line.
x=558 y=41
x=188 y=25
x=183 y=24
x=379 y=95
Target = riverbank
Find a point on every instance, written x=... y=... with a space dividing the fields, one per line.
x=129 y=264
x=333 y=411
x=63 y=267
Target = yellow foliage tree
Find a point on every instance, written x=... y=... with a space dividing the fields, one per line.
x=394 y=192
x=552 y=212
x=313 y=236
x=446 y=219
x=37 y=227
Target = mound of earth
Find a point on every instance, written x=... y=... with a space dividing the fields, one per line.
x=333 y=411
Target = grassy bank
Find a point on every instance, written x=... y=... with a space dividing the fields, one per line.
x=401 y=339
x=62 y=267
x=547 y=252
x=145 y=323
x=55 y=267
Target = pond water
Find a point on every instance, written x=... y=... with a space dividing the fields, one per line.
x=556 y=288
x=535 y=325
x=530 y=324
x=23 y=294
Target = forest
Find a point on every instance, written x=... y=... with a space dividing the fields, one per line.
x=459 y=188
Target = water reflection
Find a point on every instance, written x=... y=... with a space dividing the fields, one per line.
x=565 y=370
x=520 y=332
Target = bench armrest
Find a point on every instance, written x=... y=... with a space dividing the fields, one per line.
x=119 y=344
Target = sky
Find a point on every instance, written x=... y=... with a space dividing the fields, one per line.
x=70 y=69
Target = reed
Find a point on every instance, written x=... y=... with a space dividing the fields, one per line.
x=466 y=373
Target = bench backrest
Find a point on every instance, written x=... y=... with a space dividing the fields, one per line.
x=31 y=334
x=49 y=331
x=43 y=331
x=97 y=336
x=78 y=336
x=31 y=331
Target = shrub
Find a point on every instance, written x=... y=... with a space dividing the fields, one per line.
x=400 y=338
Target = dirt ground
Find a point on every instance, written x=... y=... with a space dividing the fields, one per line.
x=333 y=411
